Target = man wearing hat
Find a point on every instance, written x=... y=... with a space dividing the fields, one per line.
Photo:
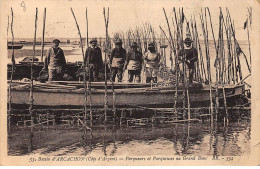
x=55 y=61
x=134 y=63
x=117 y=61
x=93 y=60
x=152 y=60
x=190 y=56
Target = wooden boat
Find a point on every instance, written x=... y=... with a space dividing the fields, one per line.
x=71 y=94
x=15 y=46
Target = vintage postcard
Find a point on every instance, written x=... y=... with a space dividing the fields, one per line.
x=141 y=82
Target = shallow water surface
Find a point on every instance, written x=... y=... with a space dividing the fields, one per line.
x=175 y=139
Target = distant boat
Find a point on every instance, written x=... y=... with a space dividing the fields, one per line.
x=15 y=46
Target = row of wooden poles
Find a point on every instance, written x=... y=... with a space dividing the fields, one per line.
x=225 y=72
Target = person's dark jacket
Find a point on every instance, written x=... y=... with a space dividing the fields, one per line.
x=54 y=57
x=93 y=57
x=191 y=56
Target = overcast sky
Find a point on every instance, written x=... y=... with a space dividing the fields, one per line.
x=123 y=15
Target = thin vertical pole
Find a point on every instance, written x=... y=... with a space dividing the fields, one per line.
x=7 y=30
x=10 y=84
x=106 y=18
x=84 y=66
x=31 y=100
x=43 y=32
x=176 y=59
x=223 y=87
x=217 y=58
x=248 y=38
x=32 y=63
x=89 y=73
x=205 y=33
x=203 y=71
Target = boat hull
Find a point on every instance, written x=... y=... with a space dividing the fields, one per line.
x=129 y=97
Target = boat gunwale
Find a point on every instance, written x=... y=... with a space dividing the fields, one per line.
x=147 y=90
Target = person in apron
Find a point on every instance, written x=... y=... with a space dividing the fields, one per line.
x=93 y=60
x=133 y=63
x=55 y=62
x=117 y=61
x=152 y=60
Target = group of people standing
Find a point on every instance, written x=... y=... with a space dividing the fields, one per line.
x=133 y=61
x=119 y=61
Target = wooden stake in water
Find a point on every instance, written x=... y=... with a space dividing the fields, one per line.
x=89 y=75
x=12 y=71
x=171 y=42
x=222 y=82
x=205 y=33
x=43 y=32
x=32 y=63
x=31 y=100
x=106 y=18
x=216 y=63
x=184 y=70
x=84 y=67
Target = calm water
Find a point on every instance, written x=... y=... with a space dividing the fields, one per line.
x=173 y=139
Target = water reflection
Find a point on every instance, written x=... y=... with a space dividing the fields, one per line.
x=173 y=139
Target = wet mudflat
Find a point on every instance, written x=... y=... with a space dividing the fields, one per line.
x=189 y=139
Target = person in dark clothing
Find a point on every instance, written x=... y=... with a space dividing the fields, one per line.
x=55 y=62
x=133 y=63
x=117 y=61
x=93 y=60
x=190 y=56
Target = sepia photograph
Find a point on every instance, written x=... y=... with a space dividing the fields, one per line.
x=129 y=82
